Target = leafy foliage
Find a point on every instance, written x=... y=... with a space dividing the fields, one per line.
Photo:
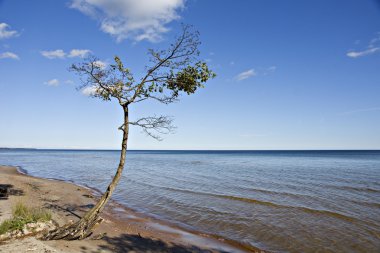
x=171 y=72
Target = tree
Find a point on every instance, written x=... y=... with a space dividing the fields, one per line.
x=171 y=72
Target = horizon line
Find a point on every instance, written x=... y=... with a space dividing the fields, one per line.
x=99 y=149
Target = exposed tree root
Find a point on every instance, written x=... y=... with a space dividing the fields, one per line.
x=77 y=231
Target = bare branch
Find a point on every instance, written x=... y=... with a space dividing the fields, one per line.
x=154 y=126
x=113 y=81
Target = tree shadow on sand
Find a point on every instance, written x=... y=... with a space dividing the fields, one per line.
x=7 y=190
x=135 y=243
x=69 y=209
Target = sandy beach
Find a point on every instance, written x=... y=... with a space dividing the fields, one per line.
x=125 y=230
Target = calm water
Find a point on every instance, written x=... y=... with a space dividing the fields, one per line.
x=295 y=201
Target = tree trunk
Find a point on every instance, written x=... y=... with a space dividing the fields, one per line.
x=83 y=228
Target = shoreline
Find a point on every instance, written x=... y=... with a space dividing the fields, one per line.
x=125 y=227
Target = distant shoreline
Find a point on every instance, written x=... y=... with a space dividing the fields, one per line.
x=198 y=150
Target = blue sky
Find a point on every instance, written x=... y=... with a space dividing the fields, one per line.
x=290 y=74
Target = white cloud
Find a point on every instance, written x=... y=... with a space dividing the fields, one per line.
x=100 y=64
x=5 y=33
x=136 y=19
x=59 y=53
x=246 y=74
x=69 y=81
x=52 y=82
x=79 y=53
x=89 y=90
x=9 y=55
x=373 y=47
x=272 y=68
x=355 y=54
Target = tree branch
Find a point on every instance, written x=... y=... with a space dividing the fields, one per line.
x=154 y=126
x=177 y=56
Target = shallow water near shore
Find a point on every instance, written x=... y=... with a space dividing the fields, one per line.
x=281 y=201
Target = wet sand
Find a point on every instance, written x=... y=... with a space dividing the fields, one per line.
x=126 y=230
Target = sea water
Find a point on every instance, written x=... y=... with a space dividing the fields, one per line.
x=281 y=201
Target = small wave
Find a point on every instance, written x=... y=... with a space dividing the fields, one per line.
x=358 y=189
x=267 y=203
x=368 y=204
x=22 y=170
x=196 y=162
x=304 y=209
x=279 y=193
x=261 y=202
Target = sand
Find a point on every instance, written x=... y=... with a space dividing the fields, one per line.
x=126 y=230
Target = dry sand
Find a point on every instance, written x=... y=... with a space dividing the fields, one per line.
x=126 y=230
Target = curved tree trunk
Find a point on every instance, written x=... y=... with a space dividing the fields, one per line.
x=83 y=228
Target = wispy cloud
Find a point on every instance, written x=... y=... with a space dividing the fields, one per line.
x=52 y=82
x=371 y=109
x=79 y=53
x=69 y=81
x=373 y=47
x=6 y=33
x=100 y=64
x=139 y=20
x=9 y=55
x=269 y=70
x=89 y=91
x=246 y=74
x=253 y=72
x=60 y=54
x=355 y=54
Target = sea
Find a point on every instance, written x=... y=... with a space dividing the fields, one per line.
x=280 y=201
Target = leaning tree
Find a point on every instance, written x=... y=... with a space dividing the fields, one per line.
x=171 y=72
